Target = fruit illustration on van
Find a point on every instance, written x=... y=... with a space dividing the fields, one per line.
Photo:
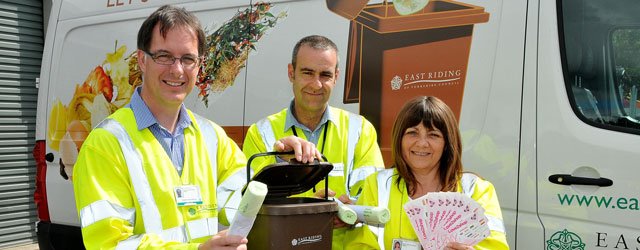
x=228 y=47
x=102 y=92
x=109 y=85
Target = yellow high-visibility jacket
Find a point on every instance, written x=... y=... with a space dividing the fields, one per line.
x=351 y=145
x=399 y=226
x=124 y=185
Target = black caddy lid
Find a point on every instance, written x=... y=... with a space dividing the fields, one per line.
x=288 y=178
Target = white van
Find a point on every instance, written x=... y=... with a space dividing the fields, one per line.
x=546 y=92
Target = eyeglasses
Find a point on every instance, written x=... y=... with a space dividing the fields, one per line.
x=164 y=58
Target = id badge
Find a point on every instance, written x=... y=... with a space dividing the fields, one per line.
x=403 y=244
x=188 y=195
x=338 y=170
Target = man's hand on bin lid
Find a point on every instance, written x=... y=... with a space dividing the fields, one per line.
x=223 y=241
x=304 y=151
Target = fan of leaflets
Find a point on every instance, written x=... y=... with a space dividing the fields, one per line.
x=228 y=47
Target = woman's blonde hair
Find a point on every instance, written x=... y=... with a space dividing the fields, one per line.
x=432 y=113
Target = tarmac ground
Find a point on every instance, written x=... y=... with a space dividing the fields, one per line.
x=32 y=246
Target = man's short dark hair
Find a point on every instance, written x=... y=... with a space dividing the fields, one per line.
x=316 y=42
x=169 y=17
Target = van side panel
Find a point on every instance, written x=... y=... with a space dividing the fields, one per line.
x=492 y=108
x=587 y=162
x=529 y=232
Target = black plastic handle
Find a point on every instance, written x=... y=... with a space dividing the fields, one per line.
x=270 y=154
x=567 y=179
x=275 y=153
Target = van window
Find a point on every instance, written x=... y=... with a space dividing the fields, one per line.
x=626 y=59
x=600 y=42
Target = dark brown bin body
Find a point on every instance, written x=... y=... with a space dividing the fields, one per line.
x=294 y=223
x=393 y=58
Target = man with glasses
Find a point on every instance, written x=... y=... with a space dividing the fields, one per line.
x=154 y=174
x=348 y=140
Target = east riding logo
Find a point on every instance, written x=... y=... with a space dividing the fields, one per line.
x=565 y=240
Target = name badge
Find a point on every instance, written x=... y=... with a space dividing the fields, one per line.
x=188 y=195
x=338 y=170
x=403 y=244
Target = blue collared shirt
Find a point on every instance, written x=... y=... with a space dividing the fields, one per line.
x=173 y=144
x=312 y=136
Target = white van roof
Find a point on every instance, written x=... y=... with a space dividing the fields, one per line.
x=72 y=9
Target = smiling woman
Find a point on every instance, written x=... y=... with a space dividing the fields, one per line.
x=426 y=137
x=426 y=155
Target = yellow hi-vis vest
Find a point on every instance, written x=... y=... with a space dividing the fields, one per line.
x=124 y=185
x=381 y=190
x=351 y=146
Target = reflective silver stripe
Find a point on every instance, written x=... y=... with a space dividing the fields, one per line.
x=211 y=139
x=150 y=213
x=173 y=234
x=468 y=183
x=178 y=233
x=358 y=175
x=130 y=243
x=229 y=194
x=495 y=224
x=355 y=128
x=384 y=185
x=266 y=132
x=202 y=227
x=103 y=209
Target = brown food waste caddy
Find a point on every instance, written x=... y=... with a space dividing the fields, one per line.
x=393 y=58
x=298 y=223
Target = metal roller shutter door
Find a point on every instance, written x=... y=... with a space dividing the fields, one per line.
x=21 y=44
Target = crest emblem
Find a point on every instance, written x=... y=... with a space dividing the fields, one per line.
x=565 y=240
x=396 y=83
